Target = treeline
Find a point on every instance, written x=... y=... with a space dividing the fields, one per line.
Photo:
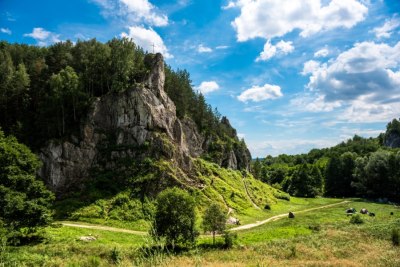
x=359 y=167
x=45 y=91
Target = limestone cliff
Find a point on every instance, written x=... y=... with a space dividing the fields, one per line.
x=137 y=123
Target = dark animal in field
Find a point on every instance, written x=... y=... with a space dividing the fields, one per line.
x=364 y=211
x=371 y=214
x=351 y=211
x=291 y=215
x=392 y=213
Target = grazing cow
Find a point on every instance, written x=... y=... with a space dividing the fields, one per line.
x=371 y=214
x=291 y=215
x=364 y=211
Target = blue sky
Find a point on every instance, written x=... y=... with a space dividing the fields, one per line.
x=290 y=75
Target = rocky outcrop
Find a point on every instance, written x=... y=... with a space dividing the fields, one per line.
x=392 y=140
x=137 y=123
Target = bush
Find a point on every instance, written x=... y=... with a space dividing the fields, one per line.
x=116 y=256
x=395 y=237
x=356 y=219
x=229 y=239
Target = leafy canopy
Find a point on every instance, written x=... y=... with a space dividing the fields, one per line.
x=175 y=218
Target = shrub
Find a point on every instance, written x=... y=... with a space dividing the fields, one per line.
x=356 y=219
x=116 y=256
x=229 y=239
x=395 y=237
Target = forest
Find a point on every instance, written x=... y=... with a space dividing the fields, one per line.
x=45 y=92
x=359 y=167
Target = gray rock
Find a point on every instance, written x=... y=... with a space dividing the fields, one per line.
x=137 y=123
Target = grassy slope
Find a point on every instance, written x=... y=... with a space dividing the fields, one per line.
x=220 y=185
x=332 y=241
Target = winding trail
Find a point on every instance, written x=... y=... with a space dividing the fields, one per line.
x=280 y=216
x=239 y=228
x=104 y=228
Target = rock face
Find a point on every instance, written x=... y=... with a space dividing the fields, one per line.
x=392 y=140
x=137 y=123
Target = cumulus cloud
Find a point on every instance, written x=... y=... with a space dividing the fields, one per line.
x=324 y=52
x=43 y=37
x=270 y=18
x=314 y=103
x=133 y=11
x=146 y=38
x=281 y=48
x=368 y=69
x=204 y=49
x=260 y=93
x=5 y=30
x=364 y=81
x=207 y=87
x=310 y=67
x=386 y=30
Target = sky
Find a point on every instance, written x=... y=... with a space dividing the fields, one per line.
x=289 y=75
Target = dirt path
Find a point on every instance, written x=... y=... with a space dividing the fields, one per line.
x=101 y=227
x=239 y=228
x=280 y=216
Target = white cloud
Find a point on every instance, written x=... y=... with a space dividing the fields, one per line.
x=270 y=18
x=367 y=69
x=310 y=67
x=364 y=82
x=6 y=31
x=208 y=87
x=222 y=47
x=385 y=31
x=43 y=37
x=324 y=52
x=203 y=49
x=146 y=38
x=314 y=103
x=260 y=93
x=133 y=11
x=283 y=146
x=230 y=5
x=281 y=48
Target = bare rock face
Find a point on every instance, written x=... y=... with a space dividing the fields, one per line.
x=392 y=140
x=137 y=123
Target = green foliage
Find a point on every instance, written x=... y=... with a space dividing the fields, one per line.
x=115 y=255
x=24 y=200
x=175 y=218
x=395 y=237
x=214 y=220
x=230 y=239
x=356 y=219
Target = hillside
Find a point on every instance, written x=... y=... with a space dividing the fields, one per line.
x=359 y=167
x=115 y=126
